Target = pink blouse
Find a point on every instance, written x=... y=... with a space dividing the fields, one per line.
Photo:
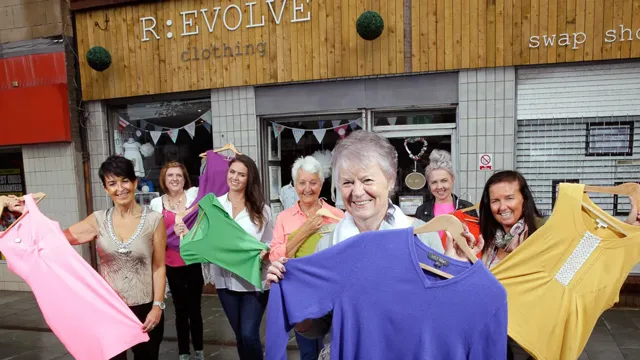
x=289 y=221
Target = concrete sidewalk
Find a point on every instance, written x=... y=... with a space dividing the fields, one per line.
x=24 y=334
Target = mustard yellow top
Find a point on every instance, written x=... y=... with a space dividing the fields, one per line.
x=565 y=275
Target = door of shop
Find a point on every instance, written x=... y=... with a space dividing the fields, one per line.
x=409 y=132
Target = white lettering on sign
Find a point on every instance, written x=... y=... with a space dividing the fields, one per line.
x=620 y=33
x=278 y=18
x=299 y=11
x=251 y=24
x=206 y=19
x=224 y=17
x=189 y=22
x=145 y=28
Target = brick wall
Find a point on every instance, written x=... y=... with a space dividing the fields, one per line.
x=31 y=19
x=486 y=124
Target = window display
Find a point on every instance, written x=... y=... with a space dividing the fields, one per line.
x=294 y=137
x=413 y=149
x=423 y=117
x=408 y=165
x=151 y=134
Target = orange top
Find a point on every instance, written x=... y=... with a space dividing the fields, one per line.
x=471 y=222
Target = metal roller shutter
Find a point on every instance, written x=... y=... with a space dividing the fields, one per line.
x=556 y=107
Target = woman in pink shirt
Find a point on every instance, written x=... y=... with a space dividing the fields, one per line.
x=185 y=281
x=301 y=221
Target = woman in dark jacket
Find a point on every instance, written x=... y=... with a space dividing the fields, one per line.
x=440 y=179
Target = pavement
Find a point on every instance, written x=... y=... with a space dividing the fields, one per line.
x=24 y=335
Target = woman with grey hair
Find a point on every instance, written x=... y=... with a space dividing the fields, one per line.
x=365 y=168
x=441 y=180
x=296 y=231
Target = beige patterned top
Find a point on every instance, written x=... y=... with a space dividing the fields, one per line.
x=130 y=275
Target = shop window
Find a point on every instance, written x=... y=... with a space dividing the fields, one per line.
x=11 y=183
x=409 y=198
x=430 y=117
x=607 y=139
x=297 y=137
x=152 y=134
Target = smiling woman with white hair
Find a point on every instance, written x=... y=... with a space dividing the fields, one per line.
x=295 y=233
x=365 y=167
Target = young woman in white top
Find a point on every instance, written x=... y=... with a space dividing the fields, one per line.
x=185 y=281
x=242 y=302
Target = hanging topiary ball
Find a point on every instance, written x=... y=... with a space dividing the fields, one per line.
x=98 y=58
x=370 y=25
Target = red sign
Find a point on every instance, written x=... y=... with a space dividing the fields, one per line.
x=485 y=162
x=34 y=101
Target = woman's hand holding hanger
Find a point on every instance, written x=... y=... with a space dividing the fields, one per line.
x=15 y=204
x=454 y=251
x=634 y=215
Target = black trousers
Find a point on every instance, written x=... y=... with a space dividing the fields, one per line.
x=186 y=283
x=148 y=350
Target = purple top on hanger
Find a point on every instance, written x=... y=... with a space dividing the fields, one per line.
x=213 y=180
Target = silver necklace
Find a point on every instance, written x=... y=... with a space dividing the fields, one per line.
x=123 y=247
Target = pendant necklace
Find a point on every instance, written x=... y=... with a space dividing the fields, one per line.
x=123 y=247
x=415 y=180
x=177 y=205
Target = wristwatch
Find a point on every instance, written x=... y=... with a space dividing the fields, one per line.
x=159 y=304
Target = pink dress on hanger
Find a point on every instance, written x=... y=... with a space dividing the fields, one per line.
x=81 y=309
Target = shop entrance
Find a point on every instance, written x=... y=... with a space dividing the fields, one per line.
x=407 y=198
x=314 y=134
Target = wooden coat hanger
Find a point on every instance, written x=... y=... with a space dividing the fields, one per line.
x=326 y=213
x=451 y=224
x=471 y=208
x=37 y=197
x=631 y=190
x=224 y=148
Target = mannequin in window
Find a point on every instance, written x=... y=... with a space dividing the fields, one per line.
x=132 y=152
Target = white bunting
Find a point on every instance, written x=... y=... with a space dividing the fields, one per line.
x=392 y=120
x=173 y=134
x=297 y=134
x=277 y=129
x=155 y=135
x=206 y=117
x=319 y=134
x=336 y=123
x=191 y=129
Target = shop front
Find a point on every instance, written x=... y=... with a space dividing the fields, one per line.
x=415 y=122
x=283 y=79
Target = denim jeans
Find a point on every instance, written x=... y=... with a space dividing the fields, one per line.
x=309 y=348
x=244 y=311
